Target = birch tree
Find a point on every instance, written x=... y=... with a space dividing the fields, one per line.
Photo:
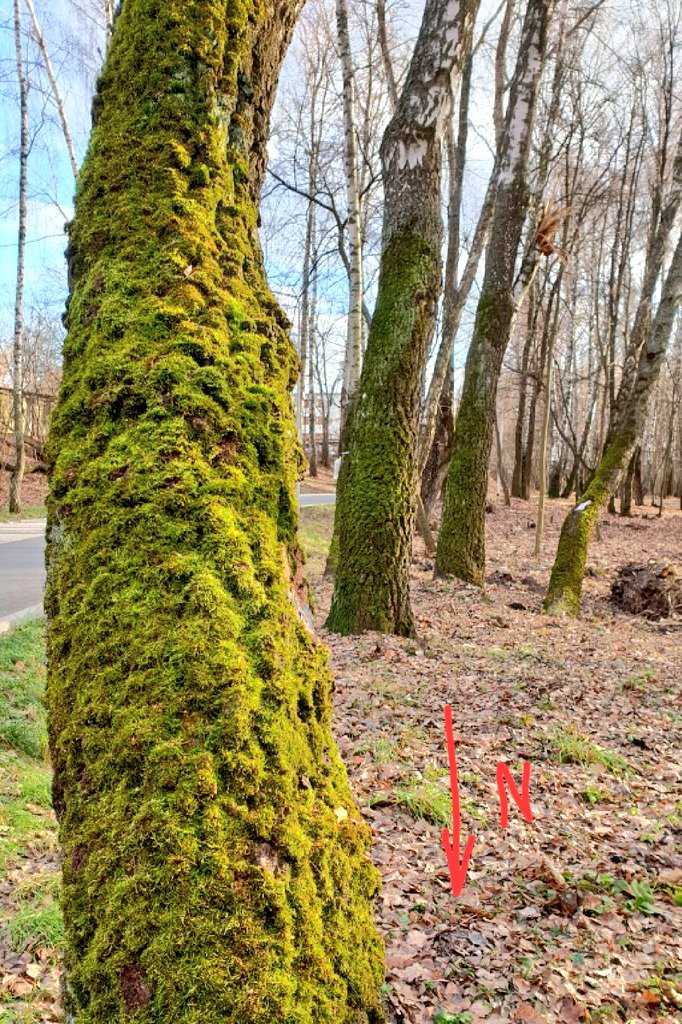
x=215 y=867
x=354 y=331
x=461 y=542
x=17 y=474
x=376 y=489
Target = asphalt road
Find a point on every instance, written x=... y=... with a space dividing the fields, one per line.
x=22 y=559
x=22 y=569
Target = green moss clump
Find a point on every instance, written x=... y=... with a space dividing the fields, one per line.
x=376 y=489
x=216 y=870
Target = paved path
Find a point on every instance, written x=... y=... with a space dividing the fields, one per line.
x=305 y=500
x=22 y=565
x=22 y=559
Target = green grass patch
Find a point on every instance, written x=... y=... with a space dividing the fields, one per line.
x=28 y=512
x=38 y=919
x=29 y=914
x=573 y=748
x=22 y=681
x=428 y=799
x=315 y=529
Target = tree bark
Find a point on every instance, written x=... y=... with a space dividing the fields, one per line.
x=215 y=867
x=544 y=436
x=501 y=471
x=461 y=543
x=312 y=359
x=376 y=489
x=18 y=425
x=565 y=586
x=354 y=331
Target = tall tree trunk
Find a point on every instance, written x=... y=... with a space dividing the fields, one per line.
x=215 y=868
x=312 y=360
x=501 y=471
x=544 y=436
x=17 y=474
x=455 y=292
x=627 y=487
x=354 y=330
x=435 y=471
x=517 y=475
x=566 y=582
x=376 y=489
x=311 y=223
x=461 y=544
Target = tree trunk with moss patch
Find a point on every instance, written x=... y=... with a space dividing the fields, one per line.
x=216 y=869
x=376 y=490
x=461 y=543
x=565 y=586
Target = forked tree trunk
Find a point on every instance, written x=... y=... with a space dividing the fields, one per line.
x=18 y=425
x=461 y=544
x=215 y=867
x=376 y=489
x=565 y=586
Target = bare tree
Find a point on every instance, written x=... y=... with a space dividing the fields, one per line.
x=18 y=347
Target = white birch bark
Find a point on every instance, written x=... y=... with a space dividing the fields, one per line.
x=354 y=332
x=18 y=341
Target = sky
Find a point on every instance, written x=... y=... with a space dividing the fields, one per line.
x=72 y=44
x=75 y=44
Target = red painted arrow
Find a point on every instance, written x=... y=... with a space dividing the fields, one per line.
x=458 y=870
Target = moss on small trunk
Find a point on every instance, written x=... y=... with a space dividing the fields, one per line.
x=376 y=489
x=566 y=582
x=461 y=542
x=216 y=869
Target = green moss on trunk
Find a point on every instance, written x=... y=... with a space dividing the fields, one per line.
x=461 y=543
x=376 y=488
x=216 y=869
x=566 y=581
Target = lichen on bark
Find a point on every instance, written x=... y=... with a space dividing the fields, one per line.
x=216 y=868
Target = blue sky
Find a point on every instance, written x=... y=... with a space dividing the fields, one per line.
x=72 y=43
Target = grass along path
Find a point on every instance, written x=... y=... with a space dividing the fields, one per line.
x=31 y=927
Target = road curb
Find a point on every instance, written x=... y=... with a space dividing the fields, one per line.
x=10 y=621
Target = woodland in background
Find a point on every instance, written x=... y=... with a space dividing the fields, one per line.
x=602 y=198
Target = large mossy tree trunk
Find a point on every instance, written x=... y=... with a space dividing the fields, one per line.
x=216 y=869
x=565 y=586
x=376 y=491
x=461 y=543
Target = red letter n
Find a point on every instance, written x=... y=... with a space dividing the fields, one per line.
x=523 y=801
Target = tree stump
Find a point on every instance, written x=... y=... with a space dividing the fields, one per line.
x=652 y=590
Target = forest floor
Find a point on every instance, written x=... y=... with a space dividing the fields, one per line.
x=576 y=916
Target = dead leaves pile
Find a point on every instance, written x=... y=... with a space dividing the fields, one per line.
x=576 y=917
